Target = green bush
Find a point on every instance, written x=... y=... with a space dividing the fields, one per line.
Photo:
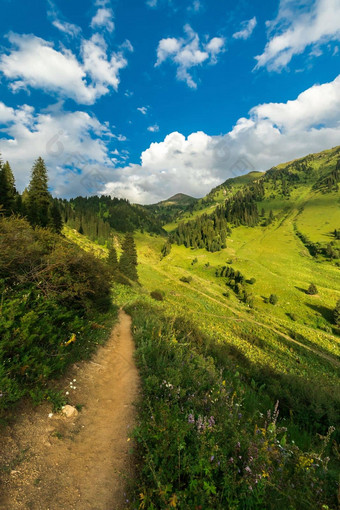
x=186 y=279
x=49 y=291
x=312 y=290
x=273 y=299
x=158 y=295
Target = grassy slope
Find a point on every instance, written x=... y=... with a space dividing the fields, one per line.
x=306 y=347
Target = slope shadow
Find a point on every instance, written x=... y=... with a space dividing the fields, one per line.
x=301 y=289
x=326 y=313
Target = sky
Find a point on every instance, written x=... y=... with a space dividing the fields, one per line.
x=142 y=99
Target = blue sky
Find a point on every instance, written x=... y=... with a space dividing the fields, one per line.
x=145 y=98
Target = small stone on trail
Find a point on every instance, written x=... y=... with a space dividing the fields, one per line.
x=69 y=411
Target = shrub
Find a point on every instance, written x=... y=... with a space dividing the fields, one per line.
x=312 y=290
x=158 y=295
x=273 y=299
x=49 y=290
x=252 y=281
x=186 y=279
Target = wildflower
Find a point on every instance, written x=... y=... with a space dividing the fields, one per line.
x=212 y=458
x=72 y=339
x=67 y=393
x=211 y=421
x=191 y=418
x=238 y=445
x=248 y=469
x=50 y=415
x=231 y=460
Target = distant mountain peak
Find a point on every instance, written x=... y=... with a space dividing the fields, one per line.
x=179 y=199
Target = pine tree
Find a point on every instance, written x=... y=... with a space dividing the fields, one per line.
x=128 y=260
x=7 y=188
x=112 y=260
x=55 y=222
x=38 y=195
x=312 y=290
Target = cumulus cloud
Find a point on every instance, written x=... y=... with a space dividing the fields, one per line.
x=73 y=144
x=34 y=62
x=81 y=159
x=189 y=52
x=247 y=29
x=298 y=25
x=271 y=134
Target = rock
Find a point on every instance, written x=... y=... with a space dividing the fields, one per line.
x=69 y=411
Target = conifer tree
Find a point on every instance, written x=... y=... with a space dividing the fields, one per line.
x=312 y=290
x=55 y=222
x=112 y=260
x=7 y=188
x=38 y=195
x=128 y=260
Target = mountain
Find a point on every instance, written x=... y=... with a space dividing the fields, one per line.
x=305 y=189
x=178 y=199
x=173 y=208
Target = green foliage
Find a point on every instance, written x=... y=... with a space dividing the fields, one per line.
x=112 y=260
x=273 y=299
x=337 y=313
x=49 y=289
x=197 y=445
x=39 y=198
x=166 y=249
x=128 y=259
x=312 y=290
x=8 y=194
x=55 y=222
x=99 y=216
x=208 y=232
x=186 y=279
x=158 y=295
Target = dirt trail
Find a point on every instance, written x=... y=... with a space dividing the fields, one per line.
x=77 y=463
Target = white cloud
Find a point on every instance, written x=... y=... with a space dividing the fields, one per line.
x=67 y=28
x=188 y=52
x=272 y=133
x=246 y=30
x=103 y=71
x=73 y=144
x=33 y=62
x=154 y=128
x=143 y=110
x=63 y=26
x=298 y=25
x=103 y=19
x=81 y=152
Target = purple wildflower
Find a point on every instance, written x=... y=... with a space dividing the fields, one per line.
x=211 y=421
x=191 y=418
